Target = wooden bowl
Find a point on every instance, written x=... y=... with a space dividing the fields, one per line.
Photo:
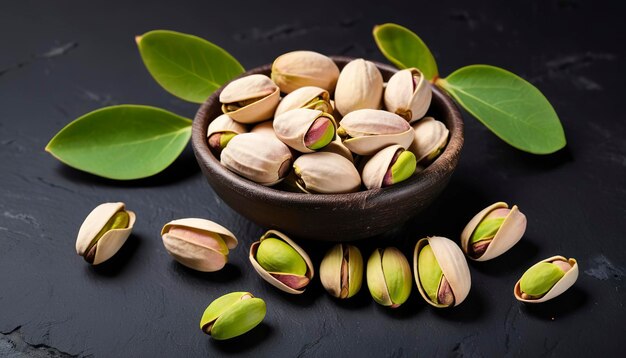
x=331 y=217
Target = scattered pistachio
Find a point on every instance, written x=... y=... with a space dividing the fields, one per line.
x=232 y=315
x=389 y=277
x=341 y=271
x=546 y=279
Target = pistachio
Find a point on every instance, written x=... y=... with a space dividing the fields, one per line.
x=430 y=138
x=441 y=272
x=199 y=244
x=326 y=173
x=304 y=68
x=266 y=127
x=232 y=315
x=104 y=231
x=250 y=99
x=387 y=167
x=221 y=130
x=336 y=146
x=341 y=271
x=360 y=86
x=281 y=262
x=408 y=94
x=546 y=279
x=305 y=130
x=258 y=157
x=305 y=97
x=367 y=131
x=389 y=277
x=493 y=231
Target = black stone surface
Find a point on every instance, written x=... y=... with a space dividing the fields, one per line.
x=61 y=59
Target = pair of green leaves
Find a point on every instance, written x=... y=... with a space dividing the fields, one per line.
x=509 y=106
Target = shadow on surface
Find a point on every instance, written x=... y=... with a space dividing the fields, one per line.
x=468 y=311
x=563 y=305
x=116 y=264
x=245 y=342
x=511 y=261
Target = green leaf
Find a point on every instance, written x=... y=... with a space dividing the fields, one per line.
x=186 y=66
x=405 y=49
x=122 y=142
x=512 y=108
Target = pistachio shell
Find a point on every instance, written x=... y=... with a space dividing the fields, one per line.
x=221 y=130
x=266 y=127
x=389 y=277
x=292 y=128
x=304 y=68
x=337 y=147
x=326 y=173
x=249 y=88
x=272 y=279
x=430 y=137
x=360 y=86
x=382 y=165
x=232 y=315
x=407 y=97
x=305 y=97
x=368 y=130
x=509 y=233
x=111 y=241
x=568 y=279
x=258 y=157
x=453 y=266
x=341 y=271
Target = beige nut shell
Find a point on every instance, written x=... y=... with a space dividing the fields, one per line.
x=291 y=127
x=249 y=87
x=360 y=85
x=400 y=98
x=327 y=173
x=337 y=147
x=561 y=286
x=300 y=97
x=376 y=167
x=430 y=135
x=224 y=123
x=297 y=69
x=372 y=130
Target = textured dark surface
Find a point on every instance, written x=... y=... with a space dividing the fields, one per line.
x=61 y=59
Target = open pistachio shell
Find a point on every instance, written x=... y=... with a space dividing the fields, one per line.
x=341 y=271
x=431 y=136
x=408 y=94
x=388 y=167
x=280 y=280
x=568 y=279
x=389 y=277
x=304 y=68
x=367 y=131
x=360 y=85
x=510 y=232
x=452 y=264
x=221 y=130
x=199 y=244
x=310 y=97
x=326 y=173
x=299 y=129
x=97 y=246
x=232 y=315
x=250 y=99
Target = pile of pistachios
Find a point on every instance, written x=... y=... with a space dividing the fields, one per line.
x=332 y=132
x=440 y=269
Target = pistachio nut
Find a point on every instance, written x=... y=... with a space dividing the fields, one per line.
x=221 y=130
x=341 y=271
x=337 y=147
x=310 y=97
x=305 y=130
x=389 y=277
x=387 y=167
x=258 y=157
x=326 y=173
x=441 y=272
x=199 y=244
x=430 y=138
x=250 y=99
x=367 y=131
x=408 y=94
x=104 y=231
x=232 y=315
x=266 y=127
x=360 y=86
x=281 y=262
x=304 y=68
x=546 y=279
x=493 y=231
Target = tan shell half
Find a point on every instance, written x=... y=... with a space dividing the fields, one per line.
x=510 y=232
x=112 y=240
x=360 y=86
x=376 y=167
x=327 y=173
x=561 y=286
x=291 y=127
x=250 y=87
x=430 y=136
x=271 y=279
x=266 y=127
x=371 y=130
x=304 y=68
x=402 y=99
x=194 y=253
x=301 y=97
x=452 y=263
x=337 y=147
x=224 y=123
x=258 y=157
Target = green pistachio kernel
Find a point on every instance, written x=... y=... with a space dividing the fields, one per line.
x=232 y=315
x=487 y=229
x=430 y=273
x=397 y=274
x=540 y=278
x=118 y=221
x=276 y=256
x=403 y=167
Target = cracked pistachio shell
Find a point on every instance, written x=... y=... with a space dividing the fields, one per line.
x=540 y=272
x=408 y=94
x=367 y=131
x=360 y=86
x=337 y=147
x=221 y=130
x=452 y=264
x=104 y=231
x=430 y=138
x=326 y=173
x=341 y=271
x=505 y=236
x=285 y=281
x=389 y=277
x=199 y=244
x=232 y=315
x=310 y=97
x=304 y=68
x=250 y=99
x=387 y=167
x=258 y=157
x=299 y=130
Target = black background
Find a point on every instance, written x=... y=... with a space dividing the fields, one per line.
x=61 y=59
